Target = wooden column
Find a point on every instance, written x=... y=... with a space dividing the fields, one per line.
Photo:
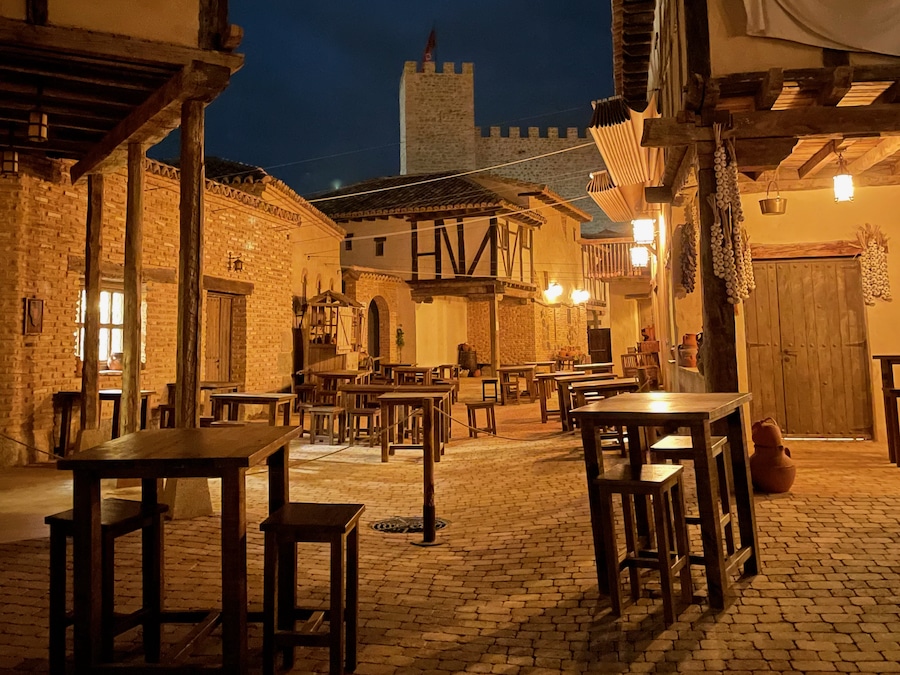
x=90 y=366
x=190 y=273
x=130 y=420
x=494 y=329
x=719 y=350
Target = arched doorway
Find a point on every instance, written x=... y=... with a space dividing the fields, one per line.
x=374 y=330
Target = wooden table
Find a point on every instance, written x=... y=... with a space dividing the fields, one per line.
x=419 y=374
x=522 y=370
x=412 y=399
x=232 y=401
x=891 y=423
x=605 y=387
x=698 y=412
x=564 y=396
x=224 y=453
x=66 y=400
x=549 y=365
x=209 y=386
x=601 y=367
x=387 y=369
x=546 y=386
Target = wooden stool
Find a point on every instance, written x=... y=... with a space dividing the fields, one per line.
x=662 y=483
x=372 y=416
x=494 y=382
x=324 y=420
x=167 y=416
x=490 y=420
x=118 y=517
x=337 y=525
x=679 y=448
x=510 y=390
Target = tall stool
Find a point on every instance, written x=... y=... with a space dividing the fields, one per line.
x=118 y=517
x=326 y=420
x=680 y=448
x=490 y=420
x=663 y=484
x=372 y=417
x=494 y=383
x=509 y=390
x=293 y=523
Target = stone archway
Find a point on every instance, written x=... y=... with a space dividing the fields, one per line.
x=378 y=326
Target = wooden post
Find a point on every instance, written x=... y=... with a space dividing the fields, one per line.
x=494 y=330
x=131 y=367
x=90 y=366
x=190 y=273
x=719 y=350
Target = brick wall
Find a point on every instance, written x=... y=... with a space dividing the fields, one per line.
x=395 y=306
x=42 y=227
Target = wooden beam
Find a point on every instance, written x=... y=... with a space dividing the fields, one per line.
x=130 y=410
x=111 y=270
x=190 y=267
x=108 y=46
x=661 y=194
x=787 y=182
x=494 y=332
x=232 y=286
x=795 y=122
x=719 y=335
x=820 y=249
x=36 y=12
x=90 y=365
x=821 y=157
x=889 y=95
x=762 y=154
x=837 y=83
x=152 y=121
x=769 y=89
x=886 y=148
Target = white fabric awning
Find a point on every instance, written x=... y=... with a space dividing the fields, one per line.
x=608 y=197
x=617 y=131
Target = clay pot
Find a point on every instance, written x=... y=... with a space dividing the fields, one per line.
x=767 y=432
x=477 y=372
x=689 y=340
x=772 y=469
x=687 y=356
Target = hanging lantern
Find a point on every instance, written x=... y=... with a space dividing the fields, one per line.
x=580 y=296
x=643 y=230
x=553 y=292
x=843 y=182
x=9 y=162
x=640 y=256
x=37 y=126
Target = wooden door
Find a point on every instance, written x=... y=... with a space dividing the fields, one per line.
x=807 y=352
x=219 y=313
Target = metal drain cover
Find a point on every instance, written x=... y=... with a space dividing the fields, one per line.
x=405 y=525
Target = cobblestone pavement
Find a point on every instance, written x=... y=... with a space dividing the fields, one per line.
x=512 y=589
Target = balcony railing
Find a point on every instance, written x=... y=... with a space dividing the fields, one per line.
x=608 y=259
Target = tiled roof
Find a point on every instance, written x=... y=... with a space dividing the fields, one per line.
x=227 y=170
x=434 y=192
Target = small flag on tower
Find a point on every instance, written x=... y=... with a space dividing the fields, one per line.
x=429 y=48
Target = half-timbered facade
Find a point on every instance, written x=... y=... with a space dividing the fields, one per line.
x=493 y=244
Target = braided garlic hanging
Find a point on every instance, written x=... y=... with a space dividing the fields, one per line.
x=873 y=263
x=732 y=261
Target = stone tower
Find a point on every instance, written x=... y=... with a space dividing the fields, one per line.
x=437 y=118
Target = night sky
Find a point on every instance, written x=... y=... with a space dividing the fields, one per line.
x=316 y=103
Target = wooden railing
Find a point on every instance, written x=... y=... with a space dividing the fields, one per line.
x=610 y=259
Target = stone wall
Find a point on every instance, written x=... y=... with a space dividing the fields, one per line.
x=42 y=229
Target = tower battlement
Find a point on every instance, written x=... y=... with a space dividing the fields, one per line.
x=430 y=67
x=533 y=132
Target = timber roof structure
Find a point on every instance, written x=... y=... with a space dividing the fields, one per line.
x=102 y=91
x=443 y=194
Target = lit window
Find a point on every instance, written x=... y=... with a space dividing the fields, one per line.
x=112 y=324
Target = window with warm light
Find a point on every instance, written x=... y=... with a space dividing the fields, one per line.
x=112 y=324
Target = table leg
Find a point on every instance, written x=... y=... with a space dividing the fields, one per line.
x=435 y=430
x=65 y=424
x=153 y=579
x=117 y=407
x=144 y=402
x=273 y=414
x=636 y=454
x=542 y=389
x=563 y=416
x=87 y=573
x=387 y=431
x=234 y=409
x=710 y=525
x=234 y=572
x=593 y=464
x=216 y=408
x=892 y=431
x=503 y=379
x=286 y=413
x=743 y=489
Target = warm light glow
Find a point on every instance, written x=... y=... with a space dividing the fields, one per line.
x=580 y=296
x=9 y=162
x=843 y=187
x=640 y=256
x=643 y=230
x=843 y=182
x=553 y=292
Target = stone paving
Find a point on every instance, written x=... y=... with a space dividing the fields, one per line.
x=512 y=589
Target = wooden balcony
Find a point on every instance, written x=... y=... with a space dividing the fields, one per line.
x=610 y=260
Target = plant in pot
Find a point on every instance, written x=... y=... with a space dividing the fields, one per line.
x=399 y=341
